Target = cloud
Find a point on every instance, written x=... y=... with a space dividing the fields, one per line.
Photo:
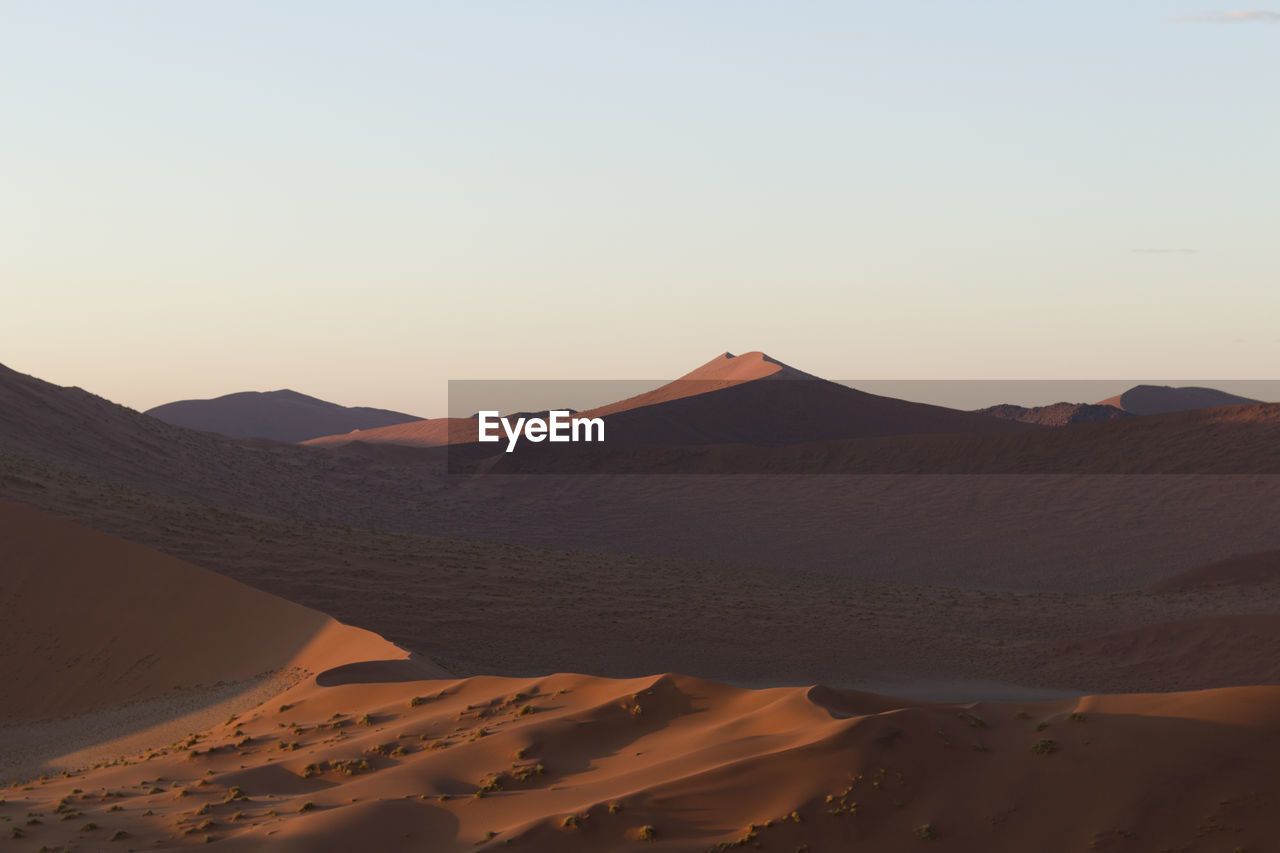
x=1252 y=16
x=1165 y=251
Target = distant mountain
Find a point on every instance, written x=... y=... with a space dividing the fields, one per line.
x=1163 y=399
x=279 y=415
x=1059 y=414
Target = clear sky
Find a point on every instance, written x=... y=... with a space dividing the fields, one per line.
x=362 y=200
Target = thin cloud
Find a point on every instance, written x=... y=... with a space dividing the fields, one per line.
x=1250 y=16
x=1165 y=251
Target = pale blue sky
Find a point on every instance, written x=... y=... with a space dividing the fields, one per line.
x=363 y=200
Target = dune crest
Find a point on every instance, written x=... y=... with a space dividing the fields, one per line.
x=96 y=625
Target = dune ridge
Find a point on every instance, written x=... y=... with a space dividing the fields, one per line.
x=575 y=762
x=97 y=625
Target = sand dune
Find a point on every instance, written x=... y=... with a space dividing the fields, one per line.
x=746 y=399
x=1163 y=399
x=1242 y=570
x=279 y=415
x=95 y=623
x=571 y=762
x=366 y=748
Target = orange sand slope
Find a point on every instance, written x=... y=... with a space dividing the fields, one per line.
x=92 y=622
x=364 y=754
x=577 y=763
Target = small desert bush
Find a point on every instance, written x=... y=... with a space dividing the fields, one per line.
x=1044 y=746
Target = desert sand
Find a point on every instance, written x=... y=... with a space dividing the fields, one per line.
x=367 y=750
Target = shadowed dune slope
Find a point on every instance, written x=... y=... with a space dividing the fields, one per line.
x=1241 y=570
x=279 y=415
x=92 y=622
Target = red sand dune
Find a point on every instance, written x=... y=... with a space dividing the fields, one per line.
x=95 y=624
x=368 y=751
x=748 y=399
x=576 y=763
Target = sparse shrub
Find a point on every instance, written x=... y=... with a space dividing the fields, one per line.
x=525 y=710
x=647 y=833
x=1044 y=746
x=926 y=832
x=1041 y=726
x=1076 y=717
x=416 y=701
x=570 y=822
x=306 y=807
x=119 y=835
x=89 y=827
x=352 y=767
x=365 y=720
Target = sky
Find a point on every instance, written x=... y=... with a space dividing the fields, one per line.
x=362 y=201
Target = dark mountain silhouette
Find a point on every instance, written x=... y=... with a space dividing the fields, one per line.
x=279 y=415
x=1058 y=414
x=1163 y=399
